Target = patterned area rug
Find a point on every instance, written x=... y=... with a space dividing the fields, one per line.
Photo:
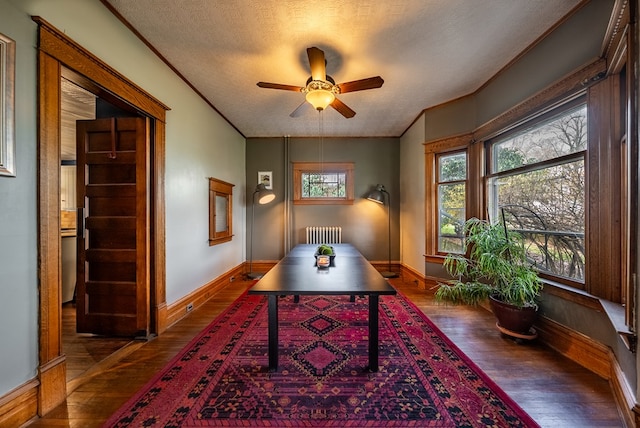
x=221 y=378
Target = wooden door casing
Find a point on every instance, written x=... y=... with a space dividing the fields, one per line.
x=113 y=238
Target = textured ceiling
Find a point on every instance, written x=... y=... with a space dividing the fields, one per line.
x=427 y=51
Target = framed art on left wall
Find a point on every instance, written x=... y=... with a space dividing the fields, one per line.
x=7 y=106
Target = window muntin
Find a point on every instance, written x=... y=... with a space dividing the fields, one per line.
x=537 y=182
x=451 y=188
x=323 y=183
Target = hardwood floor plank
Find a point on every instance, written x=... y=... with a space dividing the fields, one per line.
x=555 y=391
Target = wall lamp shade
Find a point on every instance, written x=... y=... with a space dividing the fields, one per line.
x=378 y=196
x=320 y=98
x=263 y=196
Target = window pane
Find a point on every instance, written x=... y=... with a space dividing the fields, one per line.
x=547 y=207
x=325 y=185
x=563 y=135
x=451 y=202
x=452 y=167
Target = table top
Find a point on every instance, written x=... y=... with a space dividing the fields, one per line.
x=297 y=274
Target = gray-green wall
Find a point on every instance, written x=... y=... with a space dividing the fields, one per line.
x=573 y=45
x=364 y=223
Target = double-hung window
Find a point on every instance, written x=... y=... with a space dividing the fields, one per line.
x=536 y=186
x=451 y=189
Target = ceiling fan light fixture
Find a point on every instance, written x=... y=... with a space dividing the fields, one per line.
x=320 y=98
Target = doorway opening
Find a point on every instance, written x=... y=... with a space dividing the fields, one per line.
x=83 y=350
x=59 y=56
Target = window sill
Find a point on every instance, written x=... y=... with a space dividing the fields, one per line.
x=614 y=311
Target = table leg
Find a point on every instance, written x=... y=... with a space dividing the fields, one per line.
x=373 y=332
x=273 y=332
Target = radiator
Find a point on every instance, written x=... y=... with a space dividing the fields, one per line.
x=324 y=235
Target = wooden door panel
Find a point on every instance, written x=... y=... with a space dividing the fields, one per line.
x=113 y=251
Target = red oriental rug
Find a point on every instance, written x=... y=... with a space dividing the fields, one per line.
x=221 y=378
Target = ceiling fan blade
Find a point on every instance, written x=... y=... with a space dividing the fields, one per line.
x=317 y=64
x=342 y=108
x=301 y=109
x=279 y=86
x=361 y=85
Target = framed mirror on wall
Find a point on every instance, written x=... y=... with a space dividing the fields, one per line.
x=7 y=106
x=220 y=211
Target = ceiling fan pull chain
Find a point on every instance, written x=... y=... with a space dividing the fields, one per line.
x=113 y=155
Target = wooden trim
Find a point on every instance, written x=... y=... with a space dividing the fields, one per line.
x=180 y=308
x=348 y=168
x=52 y=387
x=158 y=236
x=58 y=45
x=603 y=274
x=19 y=405
x=260 y=265
x=462 y=143
x=219 y=188
x=449 y=144
x=411 y=275
x=53 y=380
x=595 y=357
x=623 y=394
x=56 y=49
x=575 y=346
x=573 y=83
x=615 y=35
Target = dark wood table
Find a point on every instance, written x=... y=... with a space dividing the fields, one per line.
x=297 y=275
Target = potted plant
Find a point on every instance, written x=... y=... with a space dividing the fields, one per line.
x=495 y=267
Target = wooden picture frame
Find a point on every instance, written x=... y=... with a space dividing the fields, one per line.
x=220 y=211
x=7 y=106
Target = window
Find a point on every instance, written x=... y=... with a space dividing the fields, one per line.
x=536 y=185
x=323 y=183
x=451 y=185
x=220 y=212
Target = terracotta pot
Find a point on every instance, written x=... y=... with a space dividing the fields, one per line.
x=513 y=318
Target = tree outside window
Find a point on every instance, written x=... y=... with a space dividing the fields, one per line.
x=452 y=176
x=323 y=183
x=537 y=181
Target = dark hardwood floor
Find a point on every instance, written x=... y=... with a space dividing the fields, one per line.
x=555 y=391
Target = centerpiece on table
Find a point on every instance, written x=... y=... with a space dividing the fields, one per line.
x=324 y=256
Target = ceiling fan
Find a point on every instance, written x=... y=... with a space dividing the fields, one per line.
x=321 y=89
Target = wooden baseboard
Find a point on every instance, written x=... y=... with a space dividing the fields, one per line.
x=595 y=357
x=575 y=346
x=411 y=275
x=19 y=405
x=261 y=266
x=180 y=308
x=53 y=384
x=624 y=395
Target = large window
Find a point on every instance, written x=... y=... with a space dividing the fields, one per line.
x=323 y=183
x=451 y=185
x=536 y=186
